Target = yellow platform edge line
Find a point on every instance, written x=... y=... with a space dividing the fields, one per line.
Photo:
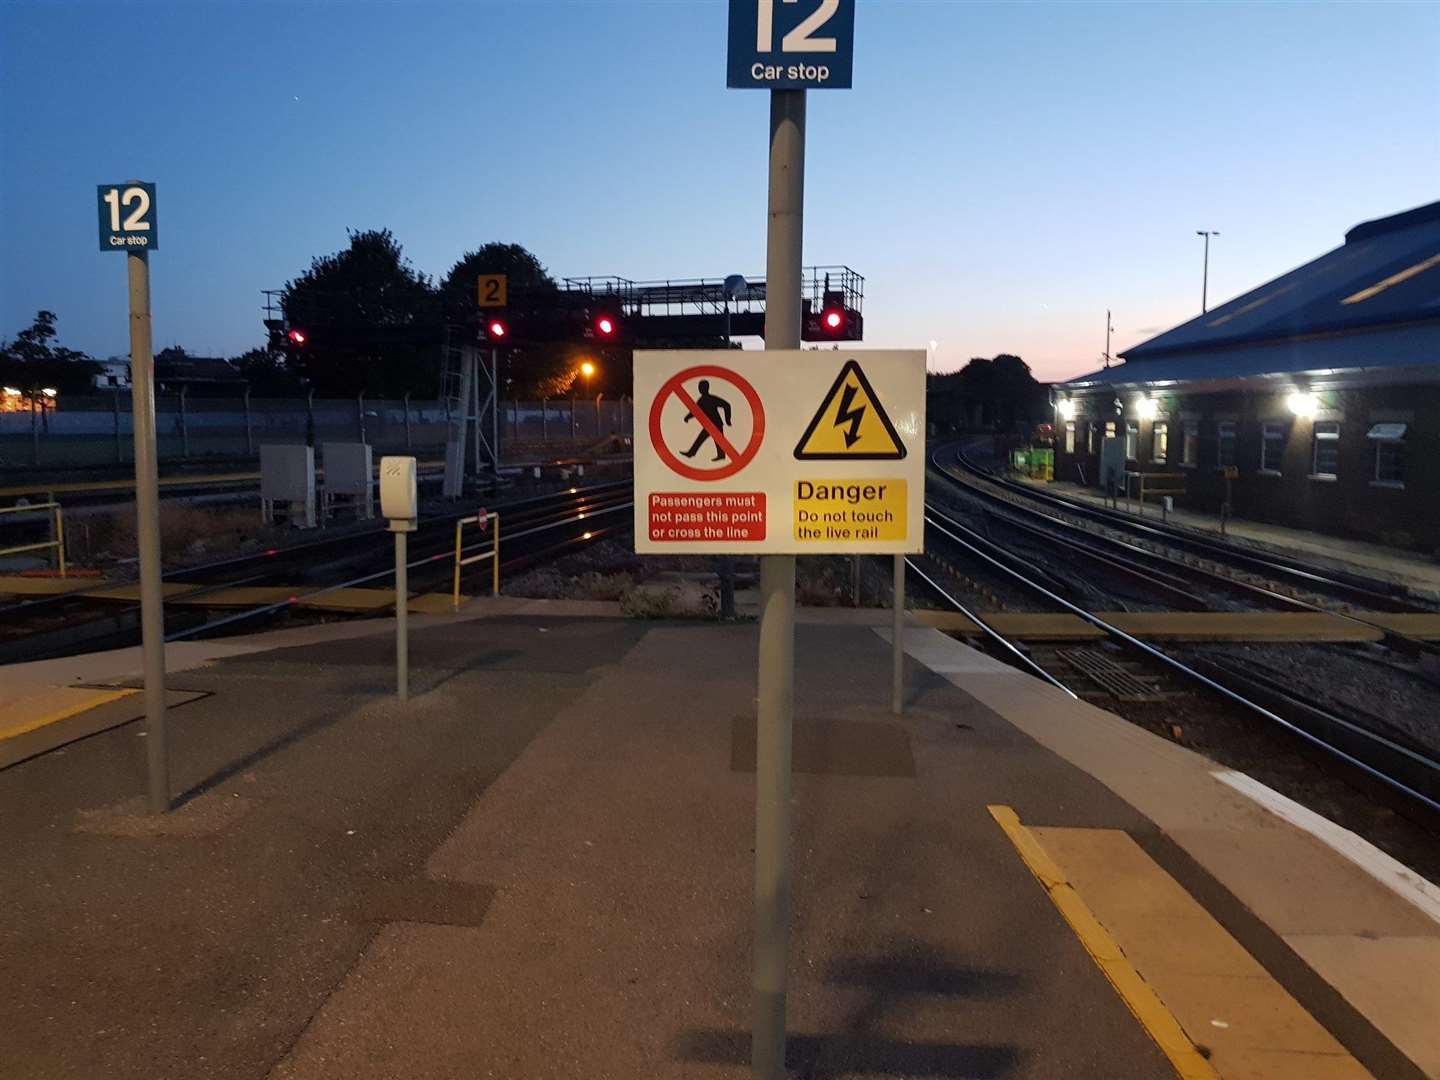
x=1158 y=1021
x=102 y=697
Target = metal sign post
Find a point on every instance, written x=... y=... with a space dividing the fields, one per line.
x=129 y=222
x=897 y=640
x=400 y=504
x=776 y=700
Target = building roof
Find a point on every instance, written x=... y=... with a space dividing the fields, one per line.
x=1386 y=272
x=1323 y=316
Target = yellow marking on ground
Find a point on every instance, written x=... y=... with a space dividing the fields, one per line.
x=1157 y=1020
x=24 y=585
x=1393 y=279
x=1177 y=625
x=41 y=706
x=171 y=590
x=435 y=603
x=1423 y=625
x=1195 y=972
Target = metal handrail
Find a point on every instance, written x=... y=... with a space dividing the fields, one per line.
x=58 y=543
x=462 y=561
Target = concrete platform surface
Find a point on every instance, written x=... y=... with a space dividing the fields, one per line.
x=541 y=867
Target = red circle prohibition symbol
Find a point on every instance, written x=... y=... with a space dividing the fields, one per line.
x=738 y=458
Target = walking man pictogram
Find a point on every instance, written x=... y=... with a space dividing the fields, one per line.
x=713 y=407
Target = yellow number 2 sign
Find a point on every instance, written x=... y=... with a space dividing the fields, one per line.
x=493 y=290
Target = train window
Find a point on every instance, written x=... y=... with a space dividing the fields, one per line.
x=1160 y=442
x=1069 y=436
x=1272 y=446
x=1190 y=449
x=1094 y=433
x=1132 y=441
x=1225 y=443
x=1325 y=459
x=1389 y=440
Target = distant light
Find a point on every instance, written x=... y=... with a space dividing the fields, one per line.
x=833 y=319
x=1067 y=408
x=587 y=536
x=1303 y=404
x=297 y=336
x=605 y=325
x=11 y=391
x=1147 y=408
x=587 y=369
x=497 y=329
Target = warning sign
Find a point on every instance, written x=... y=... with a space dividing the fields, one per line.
x=785 y=451
x=845 y=511
x=707 y=423
x=850 y=423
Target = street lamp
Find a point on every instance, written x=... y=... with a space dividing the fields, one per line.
x=1205 y=275
x=736 y=288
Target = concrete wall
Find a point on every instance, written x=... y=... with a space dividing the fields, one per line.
x=1353 y=504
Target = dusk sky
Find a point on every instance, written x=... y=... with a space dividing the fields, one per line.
x=1000 y=173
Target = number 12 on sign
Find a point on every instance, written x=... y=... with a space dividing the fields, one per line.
x=816 y=40
x=128 y=217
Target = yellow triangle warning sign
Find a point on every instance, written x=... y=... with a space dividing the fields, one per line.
x=850 y=424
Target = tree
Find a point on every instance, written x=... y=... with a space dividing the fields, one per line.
x=539 y=370
x=33 y=362
x=268 y=375
x=371 y=320
x=991 y=394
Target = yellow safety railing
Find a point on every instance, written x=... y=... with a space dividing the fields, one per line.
x=492 y=522
x=1157 y=485
x=58 y=543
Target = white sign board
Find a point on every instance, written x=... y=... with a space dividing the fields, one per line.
x=805 y=452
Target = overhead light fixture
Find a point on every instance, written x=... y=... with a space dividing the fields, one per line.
x=1067 y=408
x=49 y=391
x=11 y=391
x=1147 y=408
x=1303 y=404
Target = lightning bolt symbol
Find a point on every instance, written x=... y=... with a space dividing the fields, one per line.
x=847 y=415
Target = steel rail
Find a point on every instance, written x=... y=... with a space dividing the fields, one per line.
x=1421 y=765
x=295 y=599
x=1367 y=590
x=994 y=635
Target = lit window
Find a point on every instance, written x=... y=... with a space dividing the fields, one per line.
x=1109 y=429
x=1093 y=430
x=1272 y=446
x=1132 y=441
x=1160 y=443
x=1225 y=443
x=1069 y=436
x=1190 y=451
x=1389 y=440
x=1325 y=459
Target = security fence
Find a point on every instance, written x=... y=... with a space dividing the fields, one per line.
x=96 y=429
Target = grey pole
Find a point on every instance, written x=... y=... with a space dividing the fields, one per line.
x=777 y=618
x=897 y=640
x=495 y=414
x=249 y=426
x=402 y=619
x=147 y=530
x=1205 y=273
x=184 y=425
x=115 y=414
x=407 y=420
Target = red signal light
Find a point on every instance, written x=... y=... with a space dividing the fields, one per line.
x=834 y=319
x=496 y=329
x=296 y=336
x=605 y=325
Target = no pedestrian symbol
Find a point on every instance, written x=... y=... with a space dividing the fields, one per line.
x=851 y=424
x=706 y=423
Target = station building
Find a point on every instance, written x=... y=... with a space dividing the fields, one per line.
x=1315 y=398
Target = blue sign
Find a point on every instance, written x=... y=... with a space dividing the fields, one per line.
x=128 y=220
x=791 y=44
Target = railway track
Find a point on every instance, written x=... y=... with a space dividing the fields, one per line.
x=536 y=528
x=1406 y=769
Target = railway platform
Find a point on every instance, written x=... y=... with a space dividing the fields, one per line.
x=1409 y=568
x=541 y=867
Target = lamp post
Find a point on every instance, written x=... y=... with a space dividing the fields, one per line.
x=1205 y=274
